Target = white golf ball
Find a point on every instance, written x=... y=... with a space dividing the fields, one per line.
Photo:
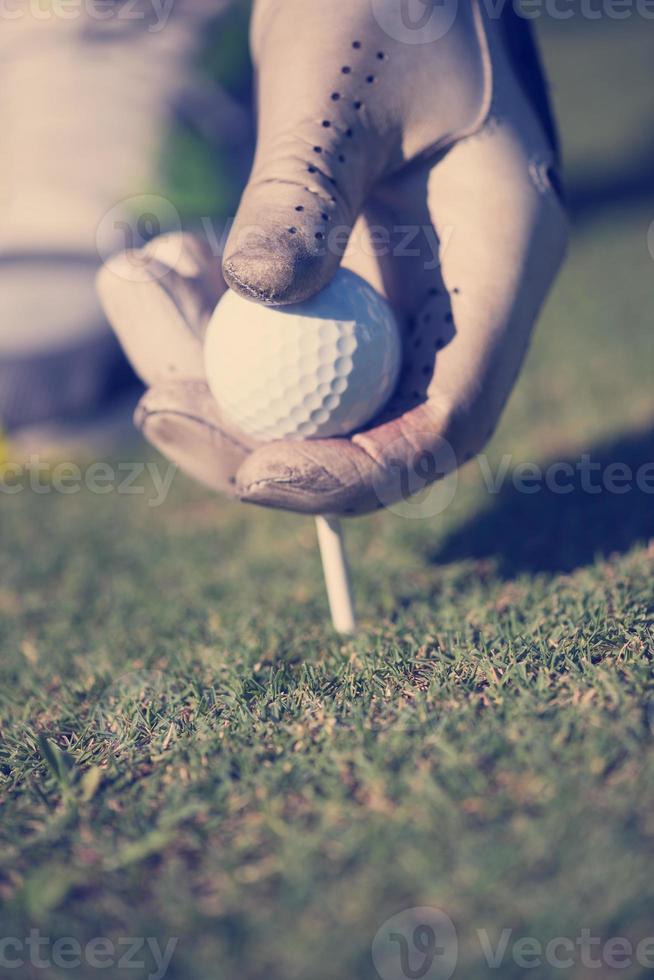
x=312 y=370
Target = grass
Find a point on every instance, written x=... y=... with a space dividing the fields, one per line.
x=188 y=751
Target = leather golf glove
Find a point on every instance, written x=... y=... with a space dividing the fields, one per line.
x=411 y=142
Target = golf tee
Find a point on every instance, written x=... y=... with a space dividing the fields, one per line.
x=337 y=574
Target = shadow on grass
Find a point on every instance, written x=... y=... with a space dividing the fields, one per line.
x=589 y=194
x=550 y=531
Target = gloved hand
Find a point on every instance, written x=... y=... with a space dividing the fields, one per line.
x=437 y=162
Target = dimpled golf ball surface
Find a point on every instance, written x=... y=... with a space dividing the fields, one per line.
x=312 y=370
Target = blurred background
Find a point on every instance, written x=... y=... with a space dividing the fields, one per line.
x=188 y=752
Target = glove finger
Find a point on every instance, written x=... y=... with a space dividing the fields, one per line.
x=340 y=476
x=296 y=215
x=311 y=477
x=158 y=300
x=317 y=153
x=182 y=421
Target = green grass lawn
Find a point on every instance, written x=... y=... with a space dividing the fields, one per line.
x=187 y=751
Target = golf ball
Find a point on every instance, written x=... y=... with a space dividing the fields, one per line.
x=320 y=368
